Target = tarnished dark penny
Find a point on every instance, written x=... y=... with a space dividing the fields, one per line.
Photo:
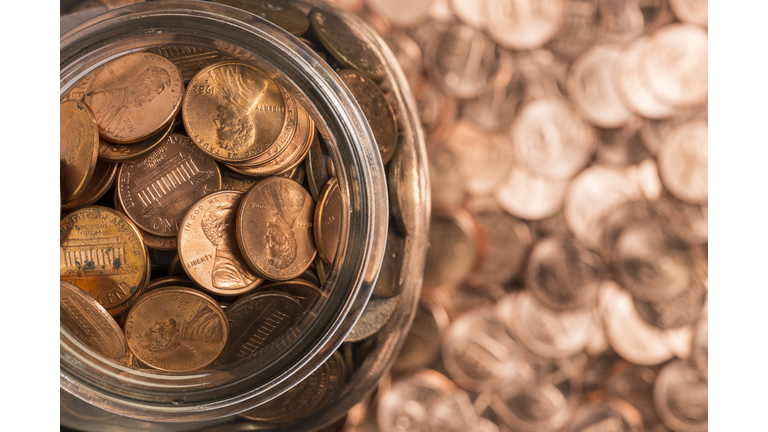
x=77 y=141
x=257 y=320
x=89 y=322
x=674 y=312
x=376 y=109
x=278 y=12
x=562 y=273
x=102 y=179
x=112 y=152
x=234 y=112
x=405 y=188
x=327 y=229
x=176 y=329
x=101 y=251
x=157 y=190
x=391 y=280
x=304 y=291
x=345 y=45
x=681 y=397
x=208 y=248
x=134 y=95
x=189 y=59
x=274 y=228
x=316 y=164
x=375 y=315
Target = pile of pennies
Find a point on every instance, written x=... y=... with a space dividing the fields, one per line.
x=566 y=288
x=201 y=212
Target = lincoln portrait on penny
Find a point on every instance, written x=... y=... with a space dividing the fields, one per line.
x=218 y=225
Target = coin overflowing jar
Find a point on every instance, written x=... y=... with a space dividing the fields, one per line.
x=225 y=214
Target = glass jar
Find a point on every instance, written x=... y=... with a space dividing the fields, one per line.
x=100 y=394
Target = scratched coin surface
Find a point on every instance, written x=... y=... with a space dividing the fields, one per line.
x=133 y=96
x=274 y=228
x=328 y=222
x=375 y=315
x=89 y=322
x=208 y=249
x=78 y=137
x=176 y=329
x=127 y=152
x=376 y=109
x=101 y=251
x=233 y=112
x=157 y=190
x=257 y=320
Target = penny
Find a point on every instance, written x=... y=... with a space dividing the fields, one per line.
x=700 y=347
x=653 y=261
x=176 y=329
x=486 y=158
x=691 y=11
x=101 y=181
x=585 y=21
x=591 y=87
x=327 y=227
x=422 y=345
x=391 y=280
x=112 y=152
x=376 y=109
x=375 y=315
x=257 y=320
x=493 y=109
x=233 y=112
x=563 y=273
x=402 y=13
x=231 y=180
x=544 y=74
x=78 y=148
x=304 y=291
x=101 y=251
x=524 y=25
x=120 y=309
x=454 y=411
x=189 y=59
x=550 y=139
x=681 y=397
x=632 y=83
x=170 y=281
x=507 y=243
x=280 y=13
x=446 y=177
x=208 y=249
x=409 y=56
x=89 y=322
x=80 y=89
x=610 y=416
x=626 y=21
x=529 y=195
x=276 y=213
x=316 y=164
x=150 y=240
x=622 y=146
x=158 y=189
x=634 y=384
x=675 y=62
x=463 y=60
x=655 y=13
x=437 y=111
x=405 y=189
x=630 y=212
x=458 y=300
x=454 y=248
x=674 y=312
x=404 y=406
x=478 y=348
x=345 y=45
x=133 y=96
x=683 y=161
x=175 y=268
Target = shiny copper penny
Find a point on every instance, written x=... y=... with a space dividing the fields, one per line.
x=133 y=96
x=119 y=310
x=274 y=228
x=257 y=320
x=176 y=329
x=208 y=249
x=78 y=137
x=80 y=89
x=150 y=240
x=233 y=112
x=157 y=190
x=102 y=179
x=376 y=109
x=101 y=251
x=127 y=152
x=89 y=322
x=328 y=213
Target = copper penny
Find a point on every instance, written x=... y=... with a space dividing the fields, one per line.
x=454 y=247
x=78 y=137
x=157 y=190
x=376 y=109
x=316 y=165
x=328 y=213
x=101 y=251
x=523 y=25
x=133 y=96
x=102 y=179
x=120 y=309
x=189 y=59
x=208 y=249
x=89 y=322
x=233 y=112
x=274 y=228
x=391 y=280
x=176 y=329
x=684 y=159
x=232 y=180
x=150 y=240
x=80 y=89
x=405 y=187
x=305 y=291
x=127 y=152
x=680 y=396
x=257 y=320
x=279 y=12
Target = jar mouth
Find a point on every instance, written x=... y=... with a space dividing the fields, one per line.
x=207 y=394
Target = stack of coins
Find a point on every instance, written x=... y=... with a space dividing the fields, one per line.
x=566 y=287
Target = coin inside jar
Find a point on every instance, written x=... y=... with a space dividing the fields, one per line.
x=208 y=249
x=328 y=221
x=127 y=152
x=176 y=329
x=133 y=96
x=78 y=147
x=89 y=322
x=274 y=228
